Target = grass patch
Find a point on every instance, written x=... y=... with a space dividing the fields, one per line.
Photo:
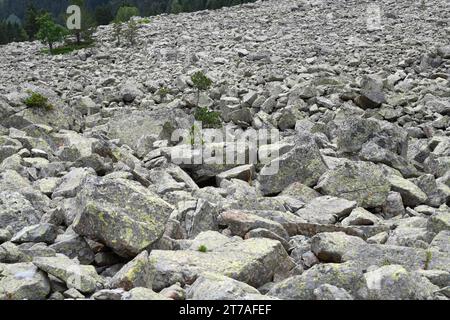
x=144 y=21
x=37 y=100
x=67 y=48
x=202 y=248
x=163 y=92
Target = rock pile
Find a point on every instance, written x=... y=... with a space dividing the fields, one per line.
x=93 y=205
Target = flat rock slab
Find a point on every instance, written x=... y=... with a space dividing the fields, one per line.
x=255 y=261
x=211 y=286
x=359 y=181
x=348 y=276
x=339 y=247
x=81 y=277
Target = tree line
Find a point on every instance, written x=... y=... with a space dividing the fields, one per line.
x=94 y=13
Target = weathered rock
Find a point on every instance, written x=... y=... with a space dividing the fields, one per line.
x=439 y=221
x=23 y=281
x=329 y=292
x=240 y=223
x=81 y=277
x=301 y=192
x=348 y=276
x=43 y=232
x=393 y=282
x=16 y=211
x=360 y=216
x=121 y=214
x=210 y=286
x=362 y=182
x=74 y=246
x=372 y=95
x=411 y=194
x=326 y=210
x=143 y=294
x=303 y=163
x=136 y=273
x=72 y=183
x=254 y=261
x=338 y=247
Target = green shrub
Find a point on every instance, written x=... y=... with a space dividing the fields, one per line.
x=68 y=48
x=201 y=81
x=37 y=100
x=163 y=91
x=131 y=31
x=202 y=248
x=209 y=119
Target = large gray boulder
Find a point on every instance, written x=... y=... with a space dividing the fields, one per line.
x=23 y=281
x=212 y=286
x=80 y=277
x=394 y=282
x=303 y=163
x=348 y=276
x=255 y=261
x=16 y=211
x=360 y=181
x=122 y=214
x=136 y=273
x=338 y=247
x=139 y=129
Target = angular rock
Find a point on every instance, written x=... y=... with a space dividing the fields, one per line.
x=326 y=210
x=253 y=261
x=329 y=292
x=43 y=232
x=210 y=286
x=411 y=194
x=358 y=181
x=303 y=163
x=240 y=223
x=393 y=282
x=83 y=278
x=121 y=214
x=143 y=294
x=136 y=273
x=23 y=281
x=348 y=276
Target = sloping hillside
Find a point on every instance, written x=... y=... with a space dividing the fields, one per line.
x=103 y=194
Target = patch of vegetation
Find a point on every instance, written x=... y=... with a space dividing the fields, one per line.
x=163 y=92
x=131 y=31
x=117 y=31
x=144 y=21
x=194 y=133
x=201 y=82
x=209 y=119
x=428 y=258
x=37 y=100
x=68 y=48
x=386 y=262
x=50 y=32
x=203 y=248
